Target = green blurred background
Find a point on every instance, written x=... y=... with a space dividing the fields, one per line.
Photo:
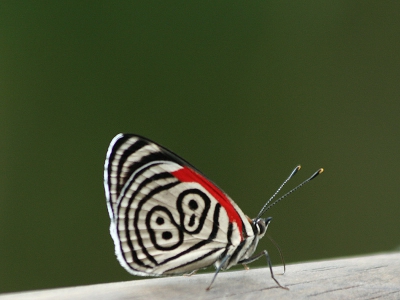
x=243 y=90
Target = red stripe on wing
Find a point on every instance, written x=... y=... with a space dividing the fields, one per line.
x=186 y=174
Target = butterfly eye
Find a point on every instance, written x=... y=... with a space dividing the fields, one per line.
x=261 y=227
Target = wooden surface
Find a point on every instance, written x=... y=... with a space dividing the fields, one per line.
x=366 y=277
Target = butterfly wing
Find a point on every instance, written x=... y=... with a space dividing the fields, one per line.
x=166 y=217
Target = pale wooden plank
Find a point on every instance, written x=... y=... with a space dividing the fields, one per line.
x=366 y=277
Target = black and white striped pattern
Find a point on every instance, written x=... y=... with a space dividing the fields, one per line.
x=167 y=218
x=159 y=224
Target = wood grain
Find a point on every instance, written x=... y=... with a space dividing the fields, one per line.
x=366 y=277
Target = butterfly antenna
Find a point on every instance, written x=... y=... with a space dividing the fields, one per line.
x=291 y=191
x=264 y=209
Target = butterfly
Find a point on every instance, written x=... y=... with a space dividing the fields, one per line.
x=167 y=218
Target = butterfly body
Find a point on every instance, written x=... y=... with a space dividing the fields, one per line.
x=167 y=218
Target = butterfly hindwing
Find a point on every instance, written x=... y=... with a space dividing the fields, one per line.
x=166 y=217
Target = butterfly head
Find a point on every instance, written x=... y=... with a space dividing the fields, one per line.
x=260 y=226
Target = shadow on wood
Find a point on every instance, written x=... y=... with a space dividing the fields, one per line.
x=366 y=277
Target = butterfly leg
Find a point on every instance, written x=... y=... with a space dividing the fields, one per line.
x=257 y=256
x=223 y=261
x=190 y=274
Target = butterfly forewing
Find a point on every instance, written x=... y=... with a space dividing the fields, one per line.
x=166 y=218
